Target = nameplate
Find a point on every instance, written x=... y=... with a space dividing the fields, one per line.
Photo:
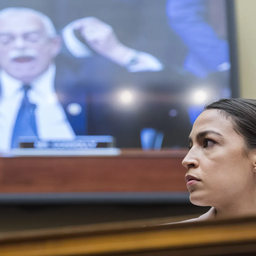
x=80 y=142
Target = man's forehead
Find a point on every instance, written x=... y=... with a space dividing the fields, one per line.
x=20 y=21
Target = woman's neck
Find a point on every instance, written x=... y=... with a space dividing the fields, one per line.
x=235 y=211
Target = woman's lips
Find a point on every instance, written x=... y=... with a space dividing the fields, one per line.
x=191 y=180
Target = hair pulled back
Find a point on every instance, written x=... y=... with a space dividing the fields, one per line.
x=243 y=114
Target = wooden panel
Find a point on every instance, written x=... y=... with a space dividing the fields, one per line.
x=132 y=171
x=222 y=237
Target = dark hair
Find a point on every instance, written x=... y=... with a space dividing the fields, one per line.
x=243 y=114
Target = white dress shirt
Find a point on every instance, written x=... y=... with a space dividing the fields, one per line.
x=51 y=120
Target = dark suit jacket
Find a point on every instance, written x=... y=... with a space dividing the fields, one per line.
x=89 y=83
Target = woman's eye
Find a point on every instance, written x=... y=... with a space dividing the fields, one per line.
x=209 y=143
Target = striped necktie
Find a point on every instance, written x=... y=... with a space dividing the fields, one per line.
x=25 y=124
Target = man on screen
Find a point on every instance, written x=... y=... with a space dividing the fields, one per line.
x=33 y=101
x=29 y=105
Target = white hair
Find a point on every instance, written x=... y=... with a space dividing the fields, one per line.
x=49 y=27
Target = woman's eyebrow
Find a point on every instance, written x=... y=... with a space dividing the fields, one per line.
x=202 y=134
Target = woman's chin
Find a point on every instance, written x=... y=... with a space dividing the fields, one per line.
x=199 y=200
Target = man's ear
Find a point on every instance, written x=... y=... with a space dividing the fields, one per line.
x=56 y=43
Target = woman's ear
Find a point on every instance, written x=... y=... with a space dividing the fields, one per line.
x=252 y=156
x=254 y=168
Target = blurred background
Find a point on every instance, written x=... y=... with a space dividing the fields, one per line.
x=19 y=215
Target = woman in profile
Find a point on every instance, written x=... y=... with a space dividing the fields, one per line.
x=221 y=162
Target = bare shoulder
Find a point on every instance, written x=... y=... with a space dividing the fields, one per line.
x=210 y=215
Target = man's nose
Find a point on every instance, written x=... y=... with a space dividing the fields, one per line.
x=19 y=42
x=190 y=160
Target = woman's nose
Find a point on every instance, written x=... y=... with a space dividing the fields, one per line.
x=190 y=160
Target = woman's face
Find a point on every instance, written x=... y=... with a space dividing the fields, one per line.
x=219 y=172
